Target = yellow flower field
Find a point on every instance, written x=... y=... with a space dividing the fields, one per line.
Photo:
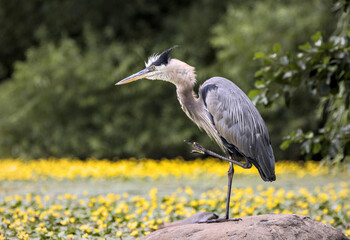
x=15 y=169
x=47 y=215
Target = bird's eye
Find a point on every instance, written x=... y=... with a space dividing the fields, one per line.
x=153 y=67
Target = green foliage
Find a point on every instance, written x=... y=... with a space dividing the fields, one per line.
x=23 y=23
x=323 y=67
x=60 y=99
x=55 y=101
x=247 y=31
x=63 y=102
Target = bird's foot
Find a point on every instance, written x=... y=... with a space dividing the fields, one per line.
x=202 y=150
x=198 y=147
x=219 y=220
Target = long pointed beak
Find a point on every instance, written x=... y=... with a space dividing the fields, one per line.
x=141 y=74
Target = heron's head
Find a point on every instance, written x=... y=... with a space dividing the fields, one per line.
x=162 y=67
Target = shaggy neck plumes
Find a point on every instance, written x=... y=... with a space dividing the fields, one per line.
x=181 y=74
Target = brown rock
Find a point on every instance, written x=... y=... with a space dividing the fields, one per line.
x=272 y=226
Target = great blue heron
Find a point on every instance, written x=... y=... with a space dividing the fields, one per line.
x=224 y=112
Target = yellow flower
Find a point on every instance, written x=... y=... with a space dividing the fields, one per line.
x=347 y=232
x=277 y=211
x=14 y=169
x=139 y=211
x=250 y=210
x=304 y=212
x=189 y=191
x=23 y=235
x=337 y=209
x=290 y=194
x=119 y=234
x=132 y=225
x=159 y=221
x=151 y=222
x=312 y=199
x=83 y=227
x=259 y=200
x=134 y=233
x=67 y=196
x=63 y=222
x=153 y=193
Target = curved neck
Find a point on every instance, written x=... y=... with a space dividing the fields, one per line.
x=195 y=110
x=189 y=103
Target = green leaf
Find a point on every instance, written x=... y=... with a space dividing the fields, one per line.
x=285 y=144
x=305 y=47
x=258 y=55
x=316 y=36
x=309 y=135
x=316 y=148
x=259 y=73
x=326 y=59
x=276 y=47
x=253 y=93
x=260 y=84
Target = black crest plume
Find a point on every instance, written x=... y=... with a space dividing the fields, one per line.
x=163 y=57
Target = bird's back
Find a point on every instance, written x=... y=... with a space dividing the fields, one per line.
x=239 y=124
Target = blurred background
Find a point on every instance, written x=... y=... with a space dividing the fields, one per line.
x=59 y=61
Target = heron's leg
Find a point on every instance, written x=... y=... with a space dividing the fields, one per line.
x=230 y=173
x=227 y=214
x=203 y=150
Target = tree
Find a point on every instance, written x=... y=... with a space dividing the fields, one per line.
x=255 y=26
x=322 y=66
x=61 y=100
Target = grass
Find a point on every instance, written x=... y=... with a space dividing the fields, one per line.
x=72 y=199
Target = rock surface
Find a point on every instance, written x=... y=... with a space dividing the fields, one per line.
x=272 y=226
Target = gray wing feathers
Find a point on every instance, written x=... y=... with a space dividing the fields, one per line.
x=238 y=121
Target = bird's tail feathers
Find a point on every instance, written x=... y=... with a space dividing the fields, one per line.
x=266 y=174
x=265 y=163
